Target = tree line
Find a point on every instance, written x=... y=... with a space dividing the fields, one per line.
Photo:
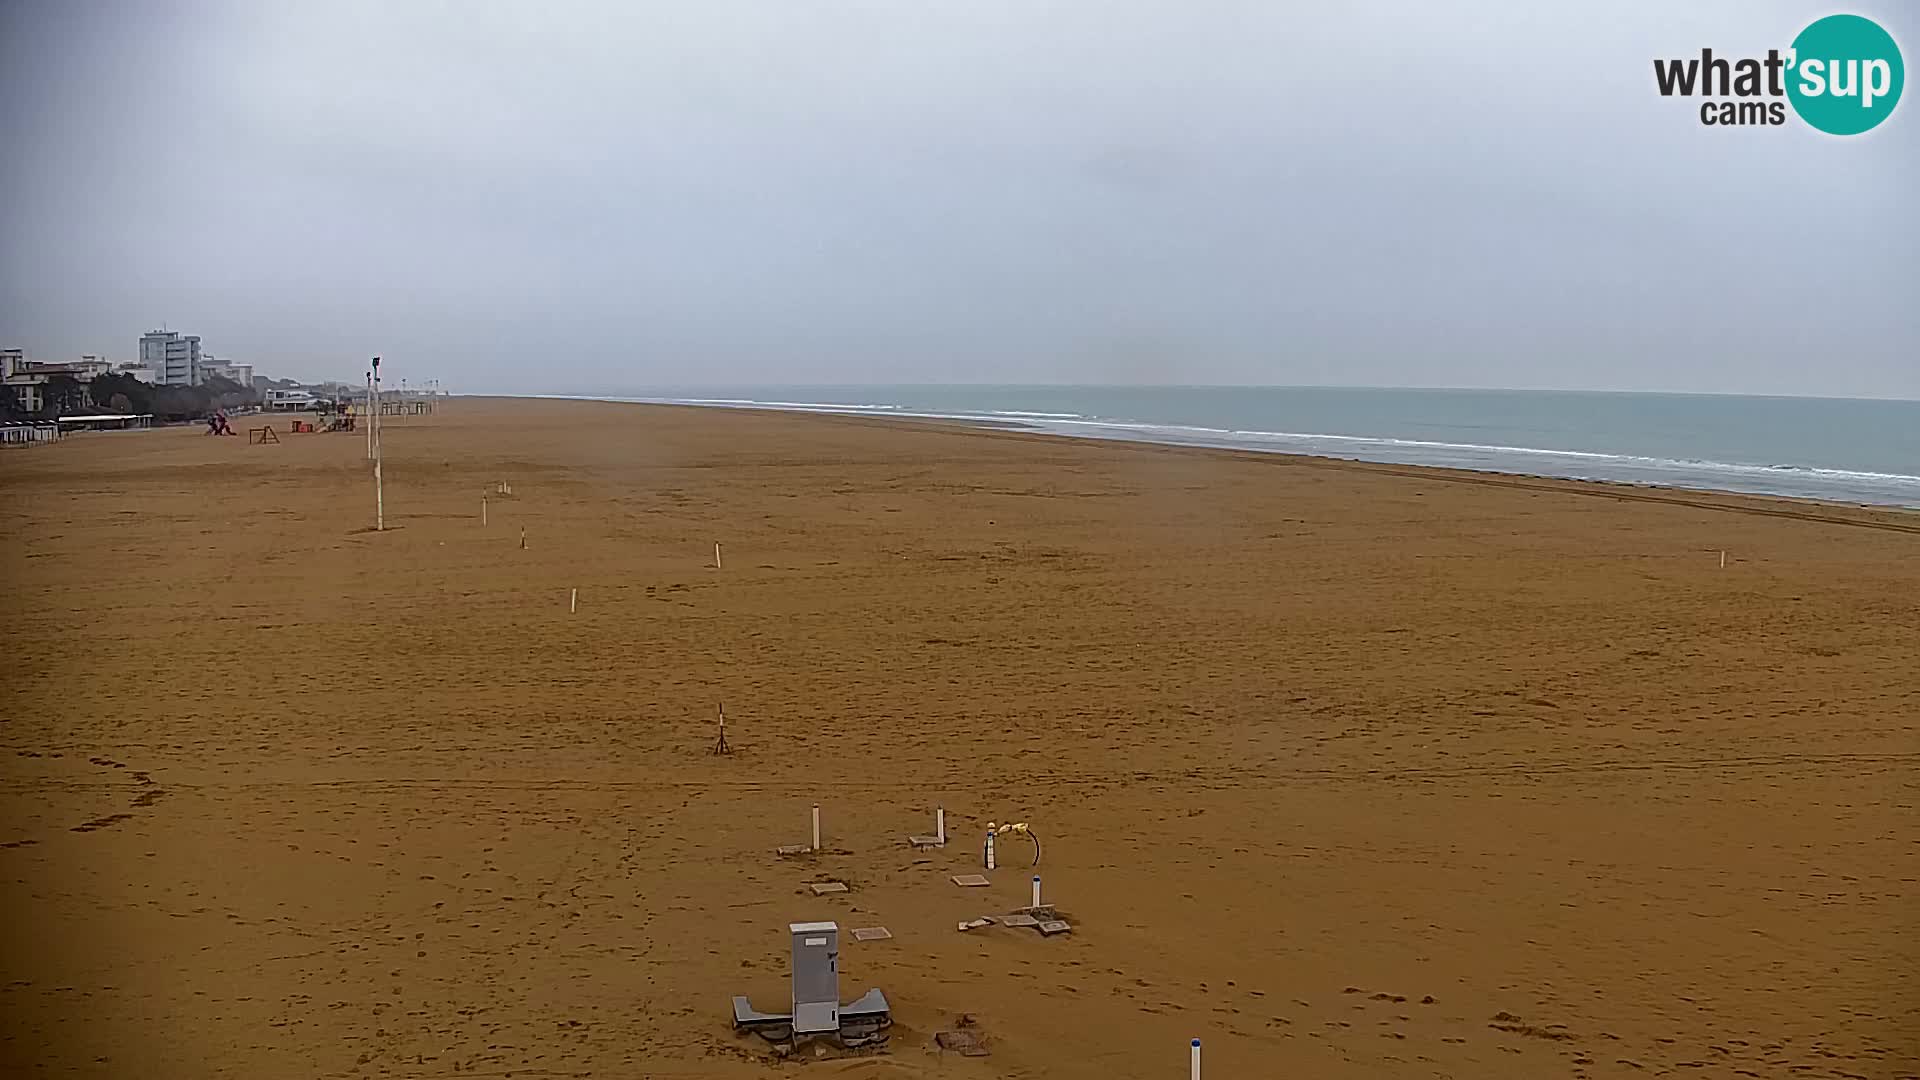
x=115 y=392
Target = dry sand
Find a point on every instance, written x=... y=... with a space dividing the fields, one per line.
x=1349 y=771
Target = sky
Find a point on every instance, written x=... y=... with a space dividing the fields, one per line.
x=576 y=197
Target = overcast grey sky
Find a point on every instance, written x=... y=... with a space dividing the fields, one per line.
x=602 y=196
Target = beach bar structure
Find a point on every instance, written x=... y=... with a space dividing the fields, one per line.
x=28 y=434
x=106 y=422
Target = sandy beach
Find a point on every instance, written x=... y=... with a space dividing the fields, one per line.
x=1346 y=770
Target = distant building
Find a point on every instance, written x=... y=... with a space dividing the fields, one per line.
x=83 y=369
x=240 y=373
x=28 y=379
x=139 y=371
x=289 y=400
x=174 y=356
x=15 y=375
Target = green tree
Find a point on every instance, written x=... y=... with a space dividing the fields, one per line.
x=117 y=386
x=63 y=395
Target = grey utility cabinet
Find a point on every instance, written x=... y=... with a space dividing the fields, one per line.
x=816 y=977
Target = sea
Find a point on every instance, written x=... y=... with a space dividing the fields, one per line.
x=1845 y=450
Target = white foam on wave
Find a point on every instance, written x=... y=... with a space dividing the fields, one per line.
x=1536 y=451
x=1317 y=443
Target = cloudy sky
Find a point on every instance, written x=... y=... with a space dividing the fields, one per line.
x=572 y=196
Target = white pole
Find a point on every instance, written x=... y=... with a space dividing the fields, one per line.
x=940 y=824
x=369 y=417
x=483 y=510
x=989 y=849
x=1723 y=560
x=573 y=602
x=816 y=826
x=1036 y=890
x=379 y=481
x=1196 y=1059
x=716 y=554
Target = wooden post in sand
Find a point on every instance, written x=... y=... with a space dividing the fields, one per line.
x=816 y=826
x=483 y=511
x=573 y=602
x=716 y=554
x=523 y=538
x=1723 y=560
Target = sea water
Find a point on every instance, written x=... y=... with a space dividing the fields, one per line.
x=1835 y=449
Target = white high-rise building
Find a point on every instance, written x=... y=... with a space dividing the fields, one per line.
x=174 y=356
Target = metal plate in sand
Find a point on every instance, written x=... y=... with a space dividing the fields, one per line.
x=1054 y=926
x=1018 y=919
x=823 y=888
x=971 y=881
x=792 y=849
x=872 y=933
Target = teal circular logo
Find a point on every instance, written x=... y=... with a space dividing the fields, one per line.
x=1846 y=74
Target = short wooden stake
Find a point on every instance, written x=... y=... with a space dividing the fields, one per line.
x=1723 y=560
x=573 y=602
x=523 y=538
x=816 y=826
x=716 y=555
x=483 y=510
x=940 y=824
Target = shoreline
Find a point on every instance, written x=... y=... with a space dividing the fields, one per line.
x=1892 y=517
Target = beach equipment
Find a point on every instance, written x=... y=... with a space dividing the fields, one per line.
x=939 y=837
x=801 y=849
x=815 y=1009
x=1019 y=828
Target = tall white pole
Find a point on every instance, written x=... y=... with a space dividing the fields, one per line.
x=1196 y=1059
x=816 y=826
x=379 y=485
x=940 y=824
x=1036 y=890
x=368 y=400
